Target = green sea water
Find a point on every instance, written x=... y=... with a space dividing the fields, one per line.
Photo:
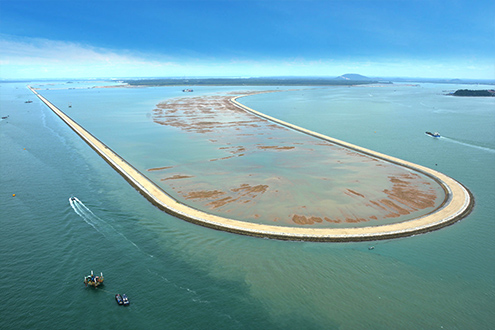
x=183 y=276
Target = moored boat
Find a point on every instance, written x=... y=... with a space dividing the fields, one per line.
x=119 y=299
x=125 y=300
x=93 y=281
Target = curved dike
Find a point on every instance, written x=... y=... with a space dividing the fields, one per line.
x=456 y=204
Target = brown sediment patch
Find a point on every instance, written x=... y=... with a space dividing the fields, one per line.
x=398 y=181
x=378 y=205
x=337 y=220
x=355 y=220
x=159 y=168
x=248 y=189
x=301 y=220
x=200 y=115
x=405 y=196
x=392 y=215
x=408 y=193
x=178 y=176
x=221 y=202
x=316 y=219
x=352 y=192
x=243 y=194
x=234 y=149
x=395 y=207
x=205 y=194
x=276 y=147
x=304 y=220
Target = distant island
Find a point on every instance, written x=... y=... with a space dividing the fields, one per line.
x=472 y=92
x=353 y=77
x=347 y=79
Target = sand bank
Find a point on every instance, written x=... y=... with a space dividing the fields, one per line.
x=458 y=202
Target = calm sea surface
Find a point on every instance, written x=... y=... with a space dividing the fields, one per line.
x=183 y=276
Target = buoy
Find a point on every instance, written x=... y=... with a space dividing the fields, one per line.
x=13 y=195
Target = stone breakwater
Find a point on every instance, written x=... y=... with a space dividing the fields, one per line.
x=457 y=204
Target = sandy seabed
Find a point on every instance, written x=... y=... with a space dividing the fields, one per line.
x=396 y=194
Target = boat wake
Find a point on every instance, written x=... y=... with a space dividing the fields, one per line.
x=111 y=233
x=97 y=223
x=52 y=131
x=469 y=144
x=85 y=213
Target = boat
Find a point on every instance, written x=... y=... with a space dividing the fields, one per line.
x=187 y=90
x=92 y=280
x=436 y=134
x=125 y=300
x=118 y=297
x=29 y=101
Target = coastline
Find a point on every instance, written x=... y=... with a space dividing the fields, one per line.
x=457 y=205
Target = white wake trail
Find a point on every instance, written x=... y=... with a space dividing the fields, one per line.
x=97 y=223
x=469 y=144
x=86 y=214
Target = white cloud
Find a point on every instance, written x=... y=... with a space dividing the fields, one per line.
x=43 y=58
x=36 y=50
x=31 y=58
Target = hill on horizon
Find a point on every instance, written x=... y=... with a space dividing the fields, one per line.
x=353 y=77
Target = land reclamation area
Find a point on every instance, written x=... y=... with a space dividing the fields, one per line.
x=273 y=179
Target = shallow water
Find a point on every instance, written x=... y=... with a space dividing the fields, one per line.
x=179 y=275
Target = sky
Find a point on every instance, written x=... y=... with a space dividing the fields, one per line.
x=247 y=38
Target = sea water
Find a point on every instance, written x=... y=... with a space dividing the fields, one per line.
x=179 y=275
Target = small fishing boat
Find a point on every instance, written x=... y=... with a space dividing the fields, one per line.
x=119 y=299
x=125 y=300
x=436 y=134
x=92 y=280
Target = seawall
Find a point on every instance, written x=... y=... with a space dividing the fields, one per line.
x=457 y=204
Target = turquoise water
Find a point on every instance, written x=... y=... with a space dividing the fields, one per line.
x=179 y=275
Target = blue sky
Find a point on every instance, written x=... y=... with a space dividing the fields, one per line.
x=147 y=38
